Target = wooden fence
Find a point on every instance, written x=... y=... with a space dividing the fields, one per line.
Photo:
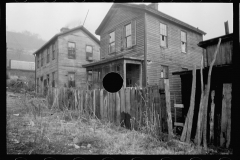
x=129 y=107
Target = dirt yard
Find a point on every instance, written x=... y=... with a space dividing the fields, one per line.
x=31 y=130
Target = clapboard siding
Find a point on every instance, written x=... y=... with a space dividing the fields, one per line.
x=66 y=65
x=47 y=68
x=224 y=55
x=119 y=19
x=170 y=56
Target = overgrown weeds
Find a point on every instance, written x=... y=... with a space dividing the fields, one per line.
x=35 y=128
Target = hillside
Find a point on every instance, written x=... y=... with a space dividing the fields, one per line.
x=21 y=46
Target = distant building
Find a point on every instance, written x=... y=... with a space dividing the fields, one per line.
x=21 y=69
x=59 y=61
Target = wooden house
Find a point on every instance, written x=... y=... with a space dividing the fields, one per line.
x=145 y=46
x=59 y=61
x=221 y=87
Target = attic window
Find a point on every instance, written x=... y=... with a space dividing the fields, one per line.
x=184 y=42
x=111 y=47
x=71 y=50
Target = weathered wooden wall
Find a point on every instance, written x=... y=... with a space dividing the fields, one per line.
x=66 y=65
x=116 y=23
x=47 y=68
x=224 y=56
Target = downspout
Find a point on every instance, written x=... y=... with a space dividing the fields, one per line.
x=145 y=49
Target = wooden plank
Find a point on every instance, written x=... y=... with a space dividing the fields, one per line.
x=122 y=110
x=132 y=107
x=178 y=124
x=105 y=104
x=118 y=106
x=178 y=106
x=128 y=105
x=211 y=137
x=169 y=116
x=98 y=113
x=226 y=116
x=114 y=107
x=192 y=104
x=137 y=107
x=110 y=106
x=101 y=104
x=94 y=102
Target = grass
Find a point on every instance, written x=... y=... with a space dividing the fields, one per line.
x=39 y=130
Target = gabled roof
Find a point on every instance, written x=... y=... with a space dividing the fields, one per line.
x=68 y=31
x=148 y=10
x=212 y=41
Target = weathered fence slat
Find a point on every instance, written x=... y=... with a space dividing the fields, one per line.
x=122 y=110
x=118 y=108
x=128 y=105
x=169 y=116
x=101 y=104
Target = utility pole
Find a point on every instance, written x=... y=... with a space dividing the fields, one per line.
x=85 y=18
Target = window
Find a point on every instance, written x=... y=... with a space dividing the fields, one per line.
x=164 y=72
x=71 y=79
x=53 y=51
x=89 y=53
x=48 y=54
x=38 y=61
x=128 y=35
x=183 y=41
x=71 y=50
x=163 y=35
x=48 y=79
x=53 y=79
x=41 y=58
x=111 y=47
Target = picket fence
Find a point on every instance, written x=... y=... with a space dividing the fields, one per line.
x=130 y=107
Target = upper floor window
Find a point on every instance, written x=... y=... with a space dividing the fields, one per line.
x=41 y=58
x=128 y=35
x=53 y=51
x=48 y=55
x=71 y=50
x=89 y=53
x=111 y=47
x=183 y=41
x=163 y=35
x=38 y=60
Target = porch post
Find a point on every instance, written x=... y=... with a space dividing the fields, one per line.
x=124 y=73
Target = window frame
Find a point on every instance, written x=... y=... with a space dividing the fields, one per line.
x=89 y=52
x=71 y=55
x=165 y=71
x=41 y=58
x=48 y=55
x=183 y=41
x=128 y=36
x=165 y=36
x=112 y=42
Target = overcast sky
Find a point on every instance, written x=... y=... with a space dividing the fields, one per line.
x=46 y=19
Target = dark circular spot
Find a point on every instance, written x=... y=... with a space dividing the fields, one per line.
x=112 y=82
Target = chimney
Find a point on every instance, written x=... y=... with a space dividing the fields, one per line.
x=154 y=6
x=226 y=28
x=64 y=29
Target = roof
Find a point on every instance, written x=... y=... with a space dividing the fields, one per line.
x=114 y=58
x=208 y=42
x=66 y=32
x=146 y=9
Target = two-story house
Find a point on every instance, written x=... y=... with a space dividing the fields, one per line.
x=59 y=61
x=145 y=45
